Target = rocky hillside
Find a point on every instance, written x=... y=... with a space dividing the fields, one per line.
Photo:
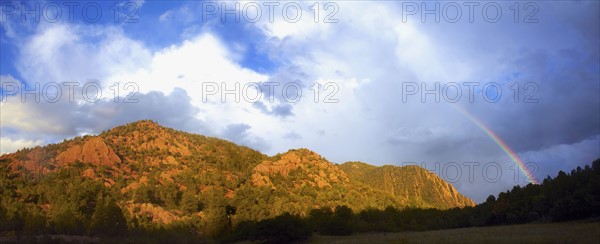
x=159 y=175
x=414 y=185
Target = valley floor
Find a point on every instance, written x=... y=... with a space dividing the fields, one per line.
x=567 y=232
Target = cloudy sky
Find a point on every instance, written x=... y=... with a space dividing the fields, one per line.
x=351 y=80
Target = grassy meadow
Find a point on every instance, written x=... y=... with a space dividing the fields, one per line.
x=565 y=232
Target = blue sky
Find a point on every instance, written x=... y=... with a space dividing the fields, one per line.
x=169 y=54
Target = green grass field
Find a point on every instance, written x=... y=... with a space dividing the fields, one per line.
x=568 y=232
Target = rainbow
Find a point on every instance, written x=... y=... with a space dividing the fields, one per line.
x=500 y=143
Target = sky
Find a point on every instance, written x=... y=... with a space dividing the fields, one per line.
x=438 y=84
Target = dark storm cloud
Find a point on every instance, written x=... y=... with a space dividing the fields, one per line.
x=68 y=119
x=240 y=133
x=65 y=119
x=173 y=110
x=292 y=136
x=236 y=131
x=283 y=89
x=281 y=110
x=567 y=110
x=560 y=54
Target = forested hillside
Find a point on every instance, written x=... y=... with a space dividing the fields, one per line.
x=568 y=196
x=145 y=178
x=417 y=186
x=148 y=182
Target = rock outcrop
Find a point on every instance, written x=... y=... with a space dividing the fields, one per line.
x=313 y=169
x=93 y=151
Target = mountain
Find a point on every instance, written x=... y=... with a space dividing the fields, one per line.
x=415 y=185
x=160 y=176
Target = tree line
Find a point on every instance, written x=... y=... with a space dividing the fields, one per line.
x=568 y=196
x=86 y=207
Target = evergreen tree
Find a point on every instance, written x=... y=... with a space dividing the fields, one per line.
x=108 y=218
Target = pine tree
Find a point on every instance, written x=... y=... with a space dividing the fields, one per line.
x=108 y=218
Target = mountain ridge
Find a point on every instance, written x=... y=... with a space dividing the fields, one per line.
x=162 y=175
x=387 y=175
